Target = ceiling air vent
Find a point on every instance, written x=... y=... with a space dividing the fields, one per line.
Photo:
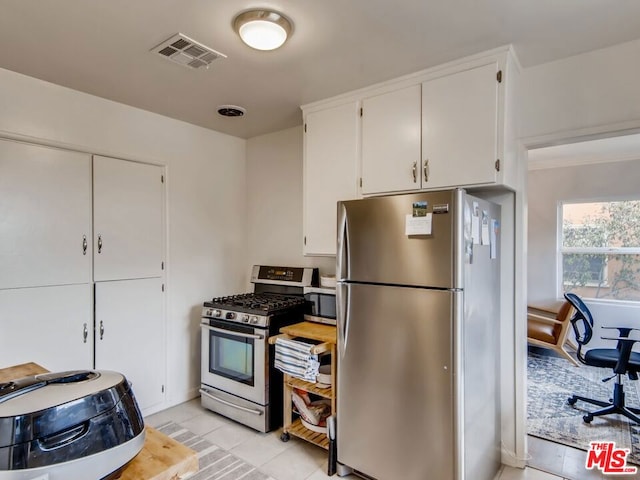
x=231 y=111
x=185 y=51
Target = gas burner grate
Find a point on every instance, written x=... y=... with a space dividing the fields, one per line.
x=250 y=302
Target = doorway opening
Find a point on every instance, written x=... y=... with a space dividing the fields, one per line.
x=571 y=188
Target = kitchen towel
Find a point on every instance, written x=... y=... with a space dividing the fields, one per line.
x=295 y=358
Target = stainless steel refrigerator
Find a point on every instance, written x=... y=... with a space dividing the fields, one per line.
x=418 y=297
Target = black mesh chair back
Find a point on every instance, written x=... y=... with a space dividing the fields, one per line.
x=581 y=322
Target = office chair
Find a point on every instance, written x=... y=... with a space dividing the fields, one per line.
x=621 y=359
x=547 y=332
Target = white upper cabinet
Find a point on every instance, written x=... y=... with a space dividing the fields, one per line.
x=45 y=216
x=330 y=173
x=459 y=128
x=391 y=157
x=128 y=227
x=454 y=125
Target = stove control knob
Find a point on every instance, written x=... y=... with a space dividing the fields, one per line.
x=245 y=318
x=207 y=313
x=230 y=315
x=254 y=320
x=217 y=313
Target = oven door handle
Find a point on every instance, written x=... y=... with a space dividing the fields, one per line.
x=224 y=402
x=231 y=332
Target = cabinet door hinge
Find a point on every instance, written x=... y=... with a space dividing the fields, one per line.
x=305 y=128
x=305 y=240
x=360 y=111
x=497 y=165
x=163 y=287
x=161 y=178
x=360 y=182
x=499 y=76
x=161 y=265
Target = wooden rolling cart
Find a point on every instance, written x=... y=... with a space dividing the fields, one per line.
x=327 y=335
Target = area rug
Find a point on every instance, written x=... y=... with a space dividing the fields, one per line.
x=215 y=462
x=551 y=380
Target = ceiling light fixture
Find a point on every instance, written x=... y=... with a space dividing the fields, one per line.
x=262 y=29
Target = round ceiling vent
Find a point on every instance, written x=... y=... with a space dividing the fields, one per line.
x=231 y=111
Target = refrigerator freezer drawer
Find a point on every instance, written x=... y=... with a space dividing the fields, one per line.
x=374 y=245
x=396 y=403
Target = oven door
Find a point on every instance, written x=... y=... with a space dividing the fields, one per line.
x=235 y=359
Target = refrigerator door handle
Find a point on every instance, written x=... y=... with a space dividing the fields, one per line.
x=342 y=257
x=342 y=304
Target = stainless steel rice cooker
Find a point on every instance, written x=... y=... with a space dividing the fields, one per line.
x=77 y=425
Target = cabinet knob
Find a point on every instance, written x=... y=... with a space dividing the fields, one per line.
x=415 y=172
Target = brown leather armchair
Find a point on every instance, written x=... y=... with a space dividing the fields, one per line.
x=545 y=330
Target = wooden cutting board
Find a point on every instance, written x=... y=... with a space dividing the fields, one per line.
x=161 y=457
x=19 y=371
x=315 y=331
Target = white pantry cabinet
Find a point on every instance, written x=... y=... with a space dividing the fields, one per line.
x=460 y=128
x=66 y=223
x=391 y=159
x=45 y=216
x=330 y=173
x=52 y=326
x=130 y=335
x=127 y=212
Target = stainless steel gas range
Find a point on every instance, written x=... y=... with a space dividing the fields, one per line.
x=237 y=373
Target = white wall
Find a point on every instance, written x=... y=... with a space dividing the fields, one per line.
x=206 y=208
x=592 y=92
x=274 y=202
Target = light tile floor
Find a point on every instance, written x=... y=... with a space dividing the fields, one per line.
x=293 y=460
x=299 y=460
x=565 y=462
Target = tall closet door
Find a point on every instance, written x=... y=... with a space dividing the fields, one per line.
x=52 y=326
x=45 y=216
x=128 y=227
x=130 y=335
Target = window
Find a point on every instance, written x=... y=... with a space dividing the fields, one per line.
x=600 y=249
x=585 y=268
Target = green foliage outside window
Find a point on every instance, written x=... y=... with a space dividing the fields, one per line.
x=600 y=254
